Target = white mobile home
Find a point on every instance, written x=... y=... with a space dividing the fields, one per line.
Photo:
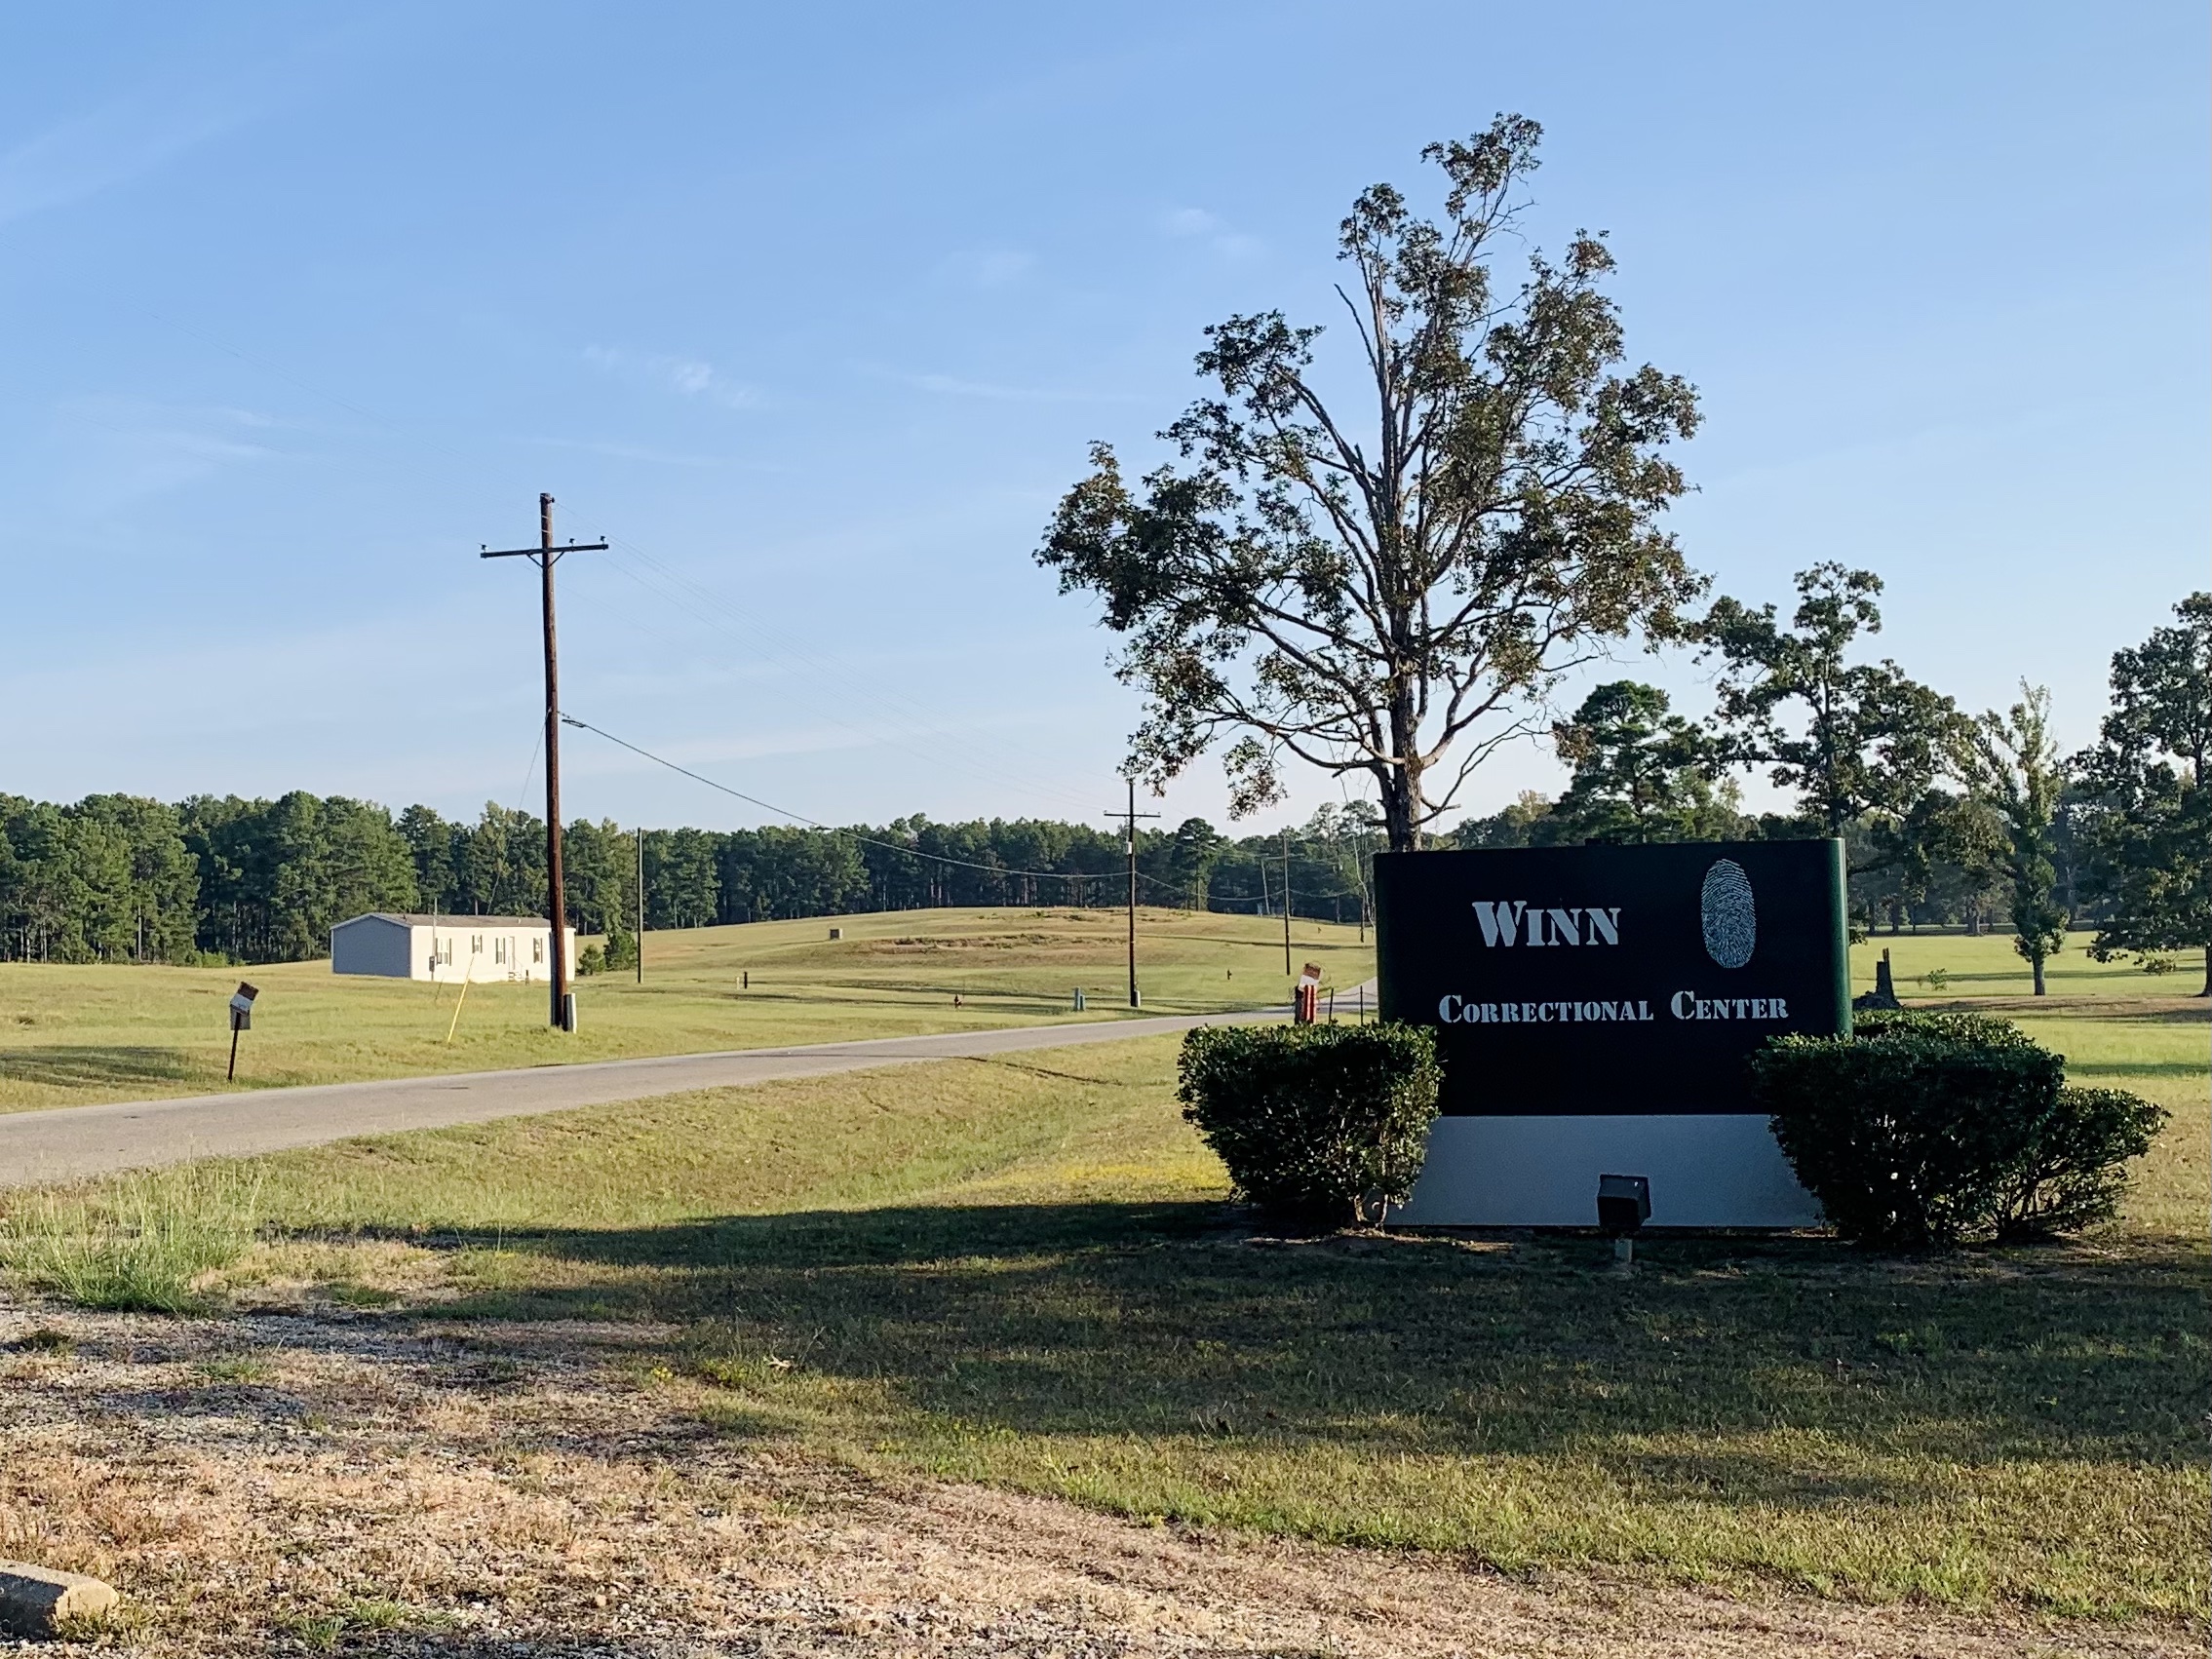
x=478 y=948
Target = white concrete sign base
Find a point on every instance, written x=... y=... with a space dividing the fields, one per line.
x=1718 y=1170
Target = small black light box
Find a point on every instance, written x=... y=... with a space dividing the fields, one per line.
x=1624 y=1202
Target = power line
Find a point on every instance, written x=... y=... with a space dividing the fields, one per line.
x=569 y=720
x=894 y=846
x=523 y=794
x=832 y=828
x=704 y=605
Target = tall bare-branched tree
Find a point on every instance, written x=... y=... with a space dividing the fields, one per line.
x=1394 y=596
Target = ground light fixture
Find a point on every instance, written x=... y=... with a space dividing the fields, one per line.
x=1624 y=1205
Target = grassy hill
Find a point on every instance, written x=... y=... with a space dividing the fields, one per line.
x=74 y=1034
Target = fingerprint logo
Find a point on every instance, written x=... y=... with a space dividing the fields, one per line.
x=1731 y=922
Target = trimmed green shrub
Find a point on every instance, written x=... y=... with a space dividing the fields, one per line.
x=1317 y=1123
x=2079 y=1172
x=1926 y=1129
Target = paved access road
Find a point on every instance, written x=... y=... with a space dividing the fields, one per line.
x=69 y=1142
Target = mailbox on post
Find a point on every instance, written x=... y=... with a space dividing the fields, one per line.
x=241 y=1019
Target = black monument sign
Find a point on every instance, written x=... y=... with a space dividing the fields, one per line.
x=1612 y=980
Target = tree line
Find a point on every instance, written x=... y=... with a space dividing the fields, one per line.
x=1947 y=819
x=223 y=879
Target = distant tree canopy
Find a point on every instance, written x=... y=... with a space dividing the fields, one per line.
x=2146 y=813
x=1640 y=773
x=2118 y=839
x=275 y=876
x=2013 y=774
x=1859 y=742
x=1393 y=593
x=121 y=878
x=110 y=876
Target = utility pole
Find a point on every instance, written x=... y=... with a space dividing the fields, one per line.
x=556 y=905
x=1287 y=968
x=641 y=904
x=1130 y=844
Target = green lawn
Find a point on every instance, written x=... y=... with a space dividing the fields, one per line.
x=1987 y=966
x=1020 y=1271
x=74 y=1034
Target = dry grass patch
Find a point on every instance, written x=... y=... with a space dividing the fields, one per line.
x=389 y=1487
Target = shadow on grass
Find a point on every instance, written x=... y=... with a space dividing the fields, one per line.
x=2076 y=1070
x=883 y=996
x=2197 y=1013
x=1152 y=1319
x=72 y=1066
x=2145 y=1008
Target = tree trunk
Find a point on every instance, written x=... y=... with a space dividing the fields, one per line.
x=1398 y=811
x=2037 y=962
x=1400 y=788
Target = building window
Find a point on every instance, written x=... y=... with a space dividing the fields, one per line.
x=476 y=944
x=499 y=950
x=537 y=950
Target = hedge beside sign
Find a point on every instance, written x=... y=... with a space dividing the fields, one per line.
x=1621 y=980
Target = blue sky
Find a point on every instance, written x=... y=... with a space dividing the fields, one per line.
x=813 y=310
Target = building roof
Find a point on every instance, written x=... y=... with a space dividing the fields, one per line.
x=460 y=923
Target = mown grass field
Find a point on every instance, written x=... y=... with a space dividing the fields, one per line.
x=1936 y=966
x=75 y=1034
x=1021 y=1272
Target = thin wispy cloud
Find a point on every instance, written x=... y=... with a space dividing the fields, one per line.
x=141 y=449
x=693 y=377
x=626 y=451
x=987 y=267
x=98 y=151
x=1196 y=224
x=955 y=386
x=171 y=695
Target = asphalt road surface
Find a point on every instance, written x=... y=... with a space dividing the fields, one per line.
x=70 y=1142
